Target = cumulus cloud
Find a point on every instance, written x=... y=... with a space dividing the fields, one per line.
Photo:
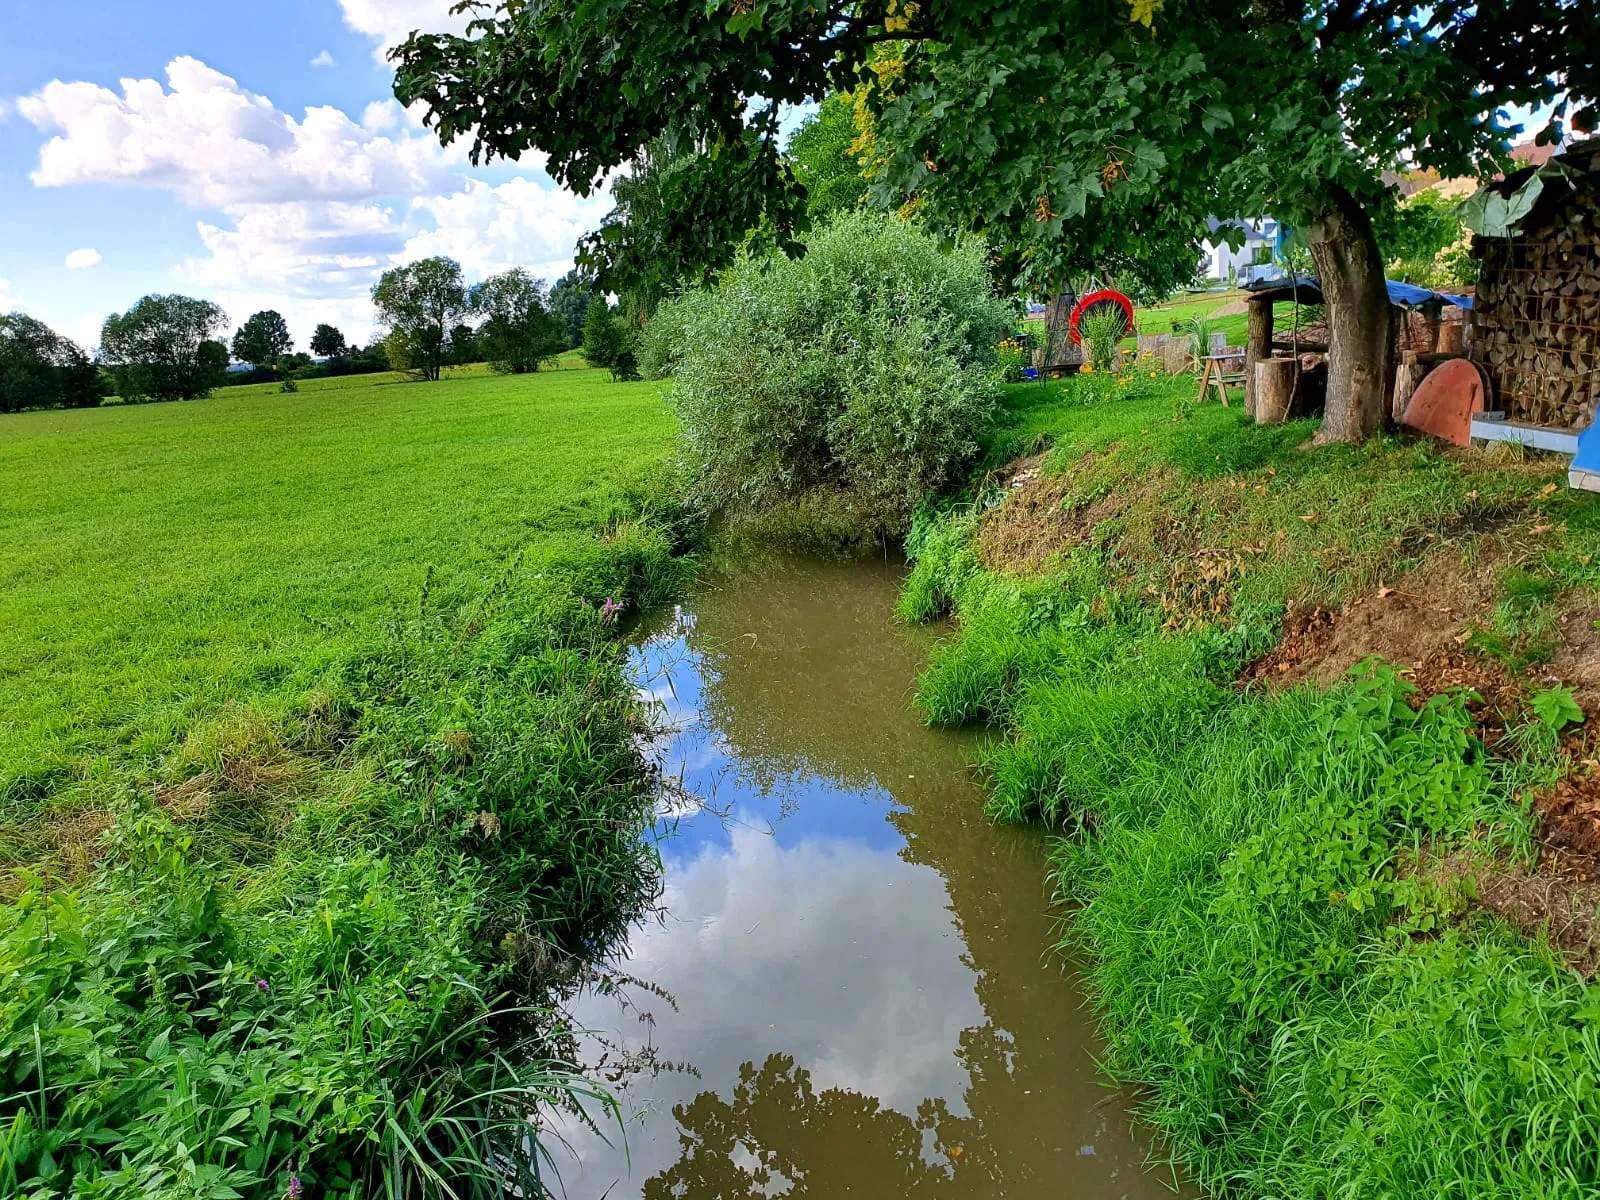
x=310 y=207
x=323 y=59
x=218 y=145
x=82 y=260
x=520 y=222
x=302 y=248
x=392 y=21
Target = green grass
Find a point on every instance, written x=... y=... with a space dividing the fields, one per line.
x=165 y=558
x=1308 y=1012
x=321 y=766
x=1154 y=319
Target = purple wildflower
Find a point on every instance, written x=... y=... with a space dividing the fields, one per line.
x=295 y=1190
x=609 y=611
x=263 y=985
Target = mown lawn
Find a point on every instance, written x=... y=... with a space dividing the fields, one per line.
x=164 y=558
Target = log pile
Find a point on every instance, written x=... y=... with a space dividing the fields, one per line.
x=1536 y=320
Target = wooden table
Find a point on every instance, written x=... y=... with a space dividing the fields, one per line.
x=1217 y=374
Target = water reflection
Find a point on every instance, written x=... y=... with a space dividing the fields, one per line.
x=863 y=1004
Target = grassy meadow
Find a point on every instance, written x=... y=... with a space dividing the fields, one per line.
x=320 y=767
x=163 y=559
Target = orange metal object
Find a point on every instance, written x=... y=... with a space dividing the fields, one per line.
x=1445 y=400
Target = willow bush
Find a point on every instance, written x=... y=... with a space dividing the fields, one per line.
x=860 y=374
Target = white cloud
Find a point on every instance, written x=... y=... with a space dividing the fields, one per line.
x=217 y=145
x=303 y=208
x=323 y=59
x=392 y=21
x=520 y=222
x=82 y=260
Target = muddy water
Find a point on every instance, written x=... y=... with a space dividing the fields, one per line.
x=848 y=992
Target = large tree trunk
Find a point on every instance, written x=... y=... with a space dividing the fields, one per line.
x=1360 y=337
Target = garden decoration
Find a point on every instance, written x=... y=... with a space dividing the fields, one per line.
x=1102 y=300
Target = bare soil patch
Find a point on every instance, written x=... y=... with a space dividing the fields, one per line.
x=1035 y=525
x=1555 y=905
x=1577 y=657
x=1549 y=902
x=1419 y=622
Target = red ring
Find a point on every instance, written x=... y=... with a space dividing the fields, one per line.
x=1095 y=298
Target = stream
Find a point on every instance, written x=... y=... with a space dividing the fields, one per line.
x=849 y=989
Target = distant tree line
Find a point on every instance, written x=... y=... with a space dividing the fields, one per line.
x=171 y=347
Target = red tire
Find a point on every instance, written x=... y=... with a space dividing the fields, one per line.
x=1105 y=296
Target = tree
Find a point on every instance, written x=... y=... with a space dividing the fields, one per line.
x=1067 y=131
x=328 y=342
x=819 y=153
x=518 y=331
x=262 y=340
x=39 y=368
x=461 y=347
x=608 y=340
x=674 y=210
x=569 y=301
x=163 y=348
x=419 y=303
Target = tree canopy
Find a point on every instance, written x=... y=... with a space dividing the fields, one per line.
x=683 y=211
x=569 y=302
x=39 y=368
x=419 y=302
x=1072 y=133
x=164 y=348
x=518 y=332
x=262 y=340
x=820 y=156
x=328 y=342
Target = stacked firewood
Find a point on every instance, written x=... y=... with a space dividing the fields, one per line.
x=1536 y=317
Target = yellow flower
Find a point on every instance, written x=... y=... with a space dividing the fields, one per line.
x=1086 y=369
x=1152 y=374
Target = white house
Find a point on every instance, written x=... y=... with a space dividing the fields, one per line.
x=1224 y=264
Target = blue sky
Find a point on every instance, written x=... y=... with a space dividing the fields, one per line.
x=251 y=154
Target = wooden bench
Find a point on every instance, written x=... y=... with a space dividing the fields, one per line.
x=1221 y=372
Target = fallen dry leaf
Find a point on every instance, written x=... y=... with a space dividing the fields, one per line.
x=1311 y=518
x=1385 y=592
x=1472 y=495
x=1541 y=529
x=1548 y=489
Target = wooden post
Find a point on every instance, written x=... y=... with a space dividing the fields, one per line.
x=1257 y=346
x=1406 y=378
x=1274 y=389
x=1432 y=312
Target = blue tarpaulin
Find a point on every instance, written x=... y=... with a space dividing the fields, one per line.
x=1406 y=295
x=1410 y=295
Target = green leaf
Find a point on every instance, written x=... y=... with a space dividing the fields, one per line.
x=1556 y=708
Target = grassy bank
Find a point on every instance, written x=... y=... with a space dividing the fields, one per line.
x=1308 y=896
x=319 y=764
